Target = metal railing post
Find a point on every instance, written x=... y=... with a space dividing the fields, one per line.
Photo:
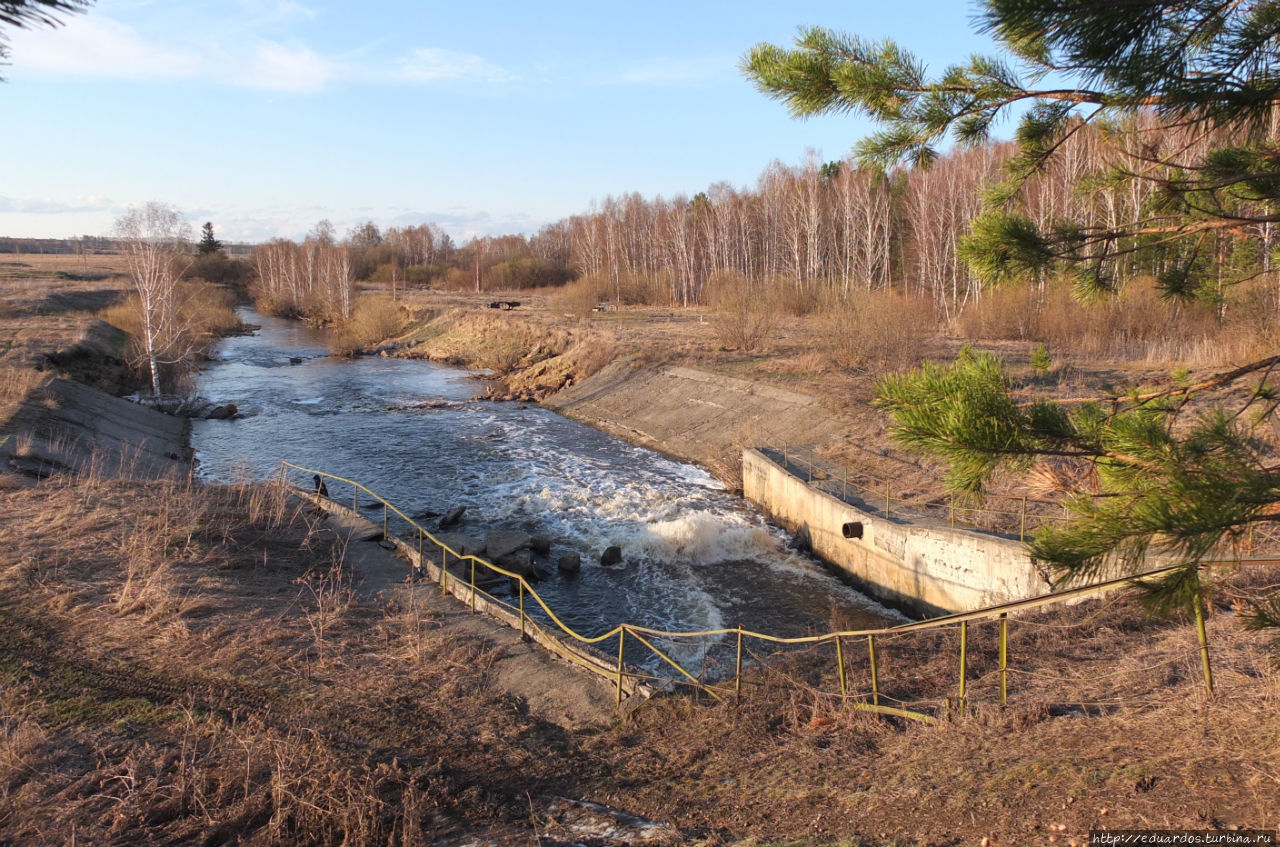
x=444 y=570
x=964 y=661
x=355 y=498
x=886 y=499
x=844 y=684
x=1204 y=645
x=1004 y=659
x=622 y=637
x=875 y=670
x=384 y=519
x=473 y=584
x=522 y=635
x=737 y=674
x=422 y=563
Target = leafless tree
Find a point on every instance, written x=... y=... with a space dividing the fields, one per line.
x=155 y=240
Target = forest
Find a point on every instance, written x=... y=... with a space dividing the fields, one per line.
x=811 y=236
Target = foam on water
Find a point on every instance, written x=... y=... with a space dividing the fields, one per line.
x=694 y=556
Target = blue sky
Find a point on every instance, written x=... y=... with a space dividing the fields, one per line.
x=266 y=116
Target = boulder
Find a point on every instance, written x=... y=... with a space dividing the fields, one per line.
x=570 y=563
x=453 y=516
x=517 y=561
x=295 y=360
x=223 y=413
x=540 y=544
x=502 y=542
x=463 y=545
x=611 y=556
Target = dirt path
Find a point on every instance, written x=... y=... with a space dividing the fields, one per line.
x=549 y=688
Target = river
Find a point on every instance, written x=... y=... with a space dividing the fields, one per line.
x=695 y=556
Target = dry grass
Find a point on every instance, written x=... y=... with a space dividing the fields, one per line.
x=1135 y=326
x=181 y=663
x=373 y=319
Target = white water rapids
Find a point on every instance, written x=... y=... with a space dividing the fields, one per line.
x=694 y=556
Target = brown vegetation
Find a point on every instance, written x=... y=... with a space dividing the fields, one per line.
x=202 y=313
x=531 y=360
x=188 y=664
x=48 y=306
x=373 y=319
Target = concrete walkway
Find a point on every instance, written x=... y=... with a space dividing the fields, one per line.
x=551 y=688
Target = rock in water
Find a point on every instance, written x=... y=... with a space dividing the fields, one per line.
x=611 y=556
x=501 y=542
x=540 y=544
x=463 y=545
x=452 y=516
x=517 y=561
x=223 y=413
x=570 y=563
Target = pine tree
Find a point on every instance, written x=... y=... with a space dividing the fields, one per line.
x=1166 y=480
x=1205 y=72
x=208 y=244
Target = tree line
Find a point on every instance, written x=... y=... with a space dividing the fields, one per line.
x=818 y=231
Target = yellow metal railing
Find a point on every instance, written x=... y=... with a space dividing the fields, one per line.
x=624 y=677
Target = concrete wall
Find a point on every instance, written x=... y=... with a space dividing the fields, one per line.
x=926 y=568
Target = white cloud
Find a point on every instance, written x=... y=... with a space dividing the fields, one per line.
x=47 y=206
x=276 y=67
x=432 y=64
x=97 y=46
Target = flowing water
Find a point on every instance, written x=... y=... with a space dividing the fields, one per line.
x=694 y=556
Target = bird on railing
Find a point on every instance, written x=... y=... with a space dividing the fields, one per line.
x=321 y=488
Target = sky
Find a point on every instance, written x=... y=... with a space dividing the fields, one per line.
x=486 y=117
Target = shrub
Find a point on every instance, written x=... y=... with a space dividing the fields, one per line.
x=877 y=330
x=203 y=313
x=373 y=319
x=579 y=298
x=220 y=269
x=745 y=311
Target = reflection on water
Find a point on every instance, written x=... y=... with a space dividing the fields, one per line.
x=695 y=557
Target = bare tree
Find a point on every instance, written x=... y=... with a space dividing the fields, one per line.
x=155 y=239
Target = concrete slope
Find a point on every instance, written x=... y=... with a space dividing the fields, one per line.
x=695 y=415
x=67 y=425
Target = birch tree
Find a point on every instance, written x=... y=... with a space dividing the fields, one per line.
x=155 y=240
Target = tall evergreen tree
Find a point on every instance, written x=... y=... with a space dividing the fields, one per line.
x=1172 y=473
x=208 y=244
